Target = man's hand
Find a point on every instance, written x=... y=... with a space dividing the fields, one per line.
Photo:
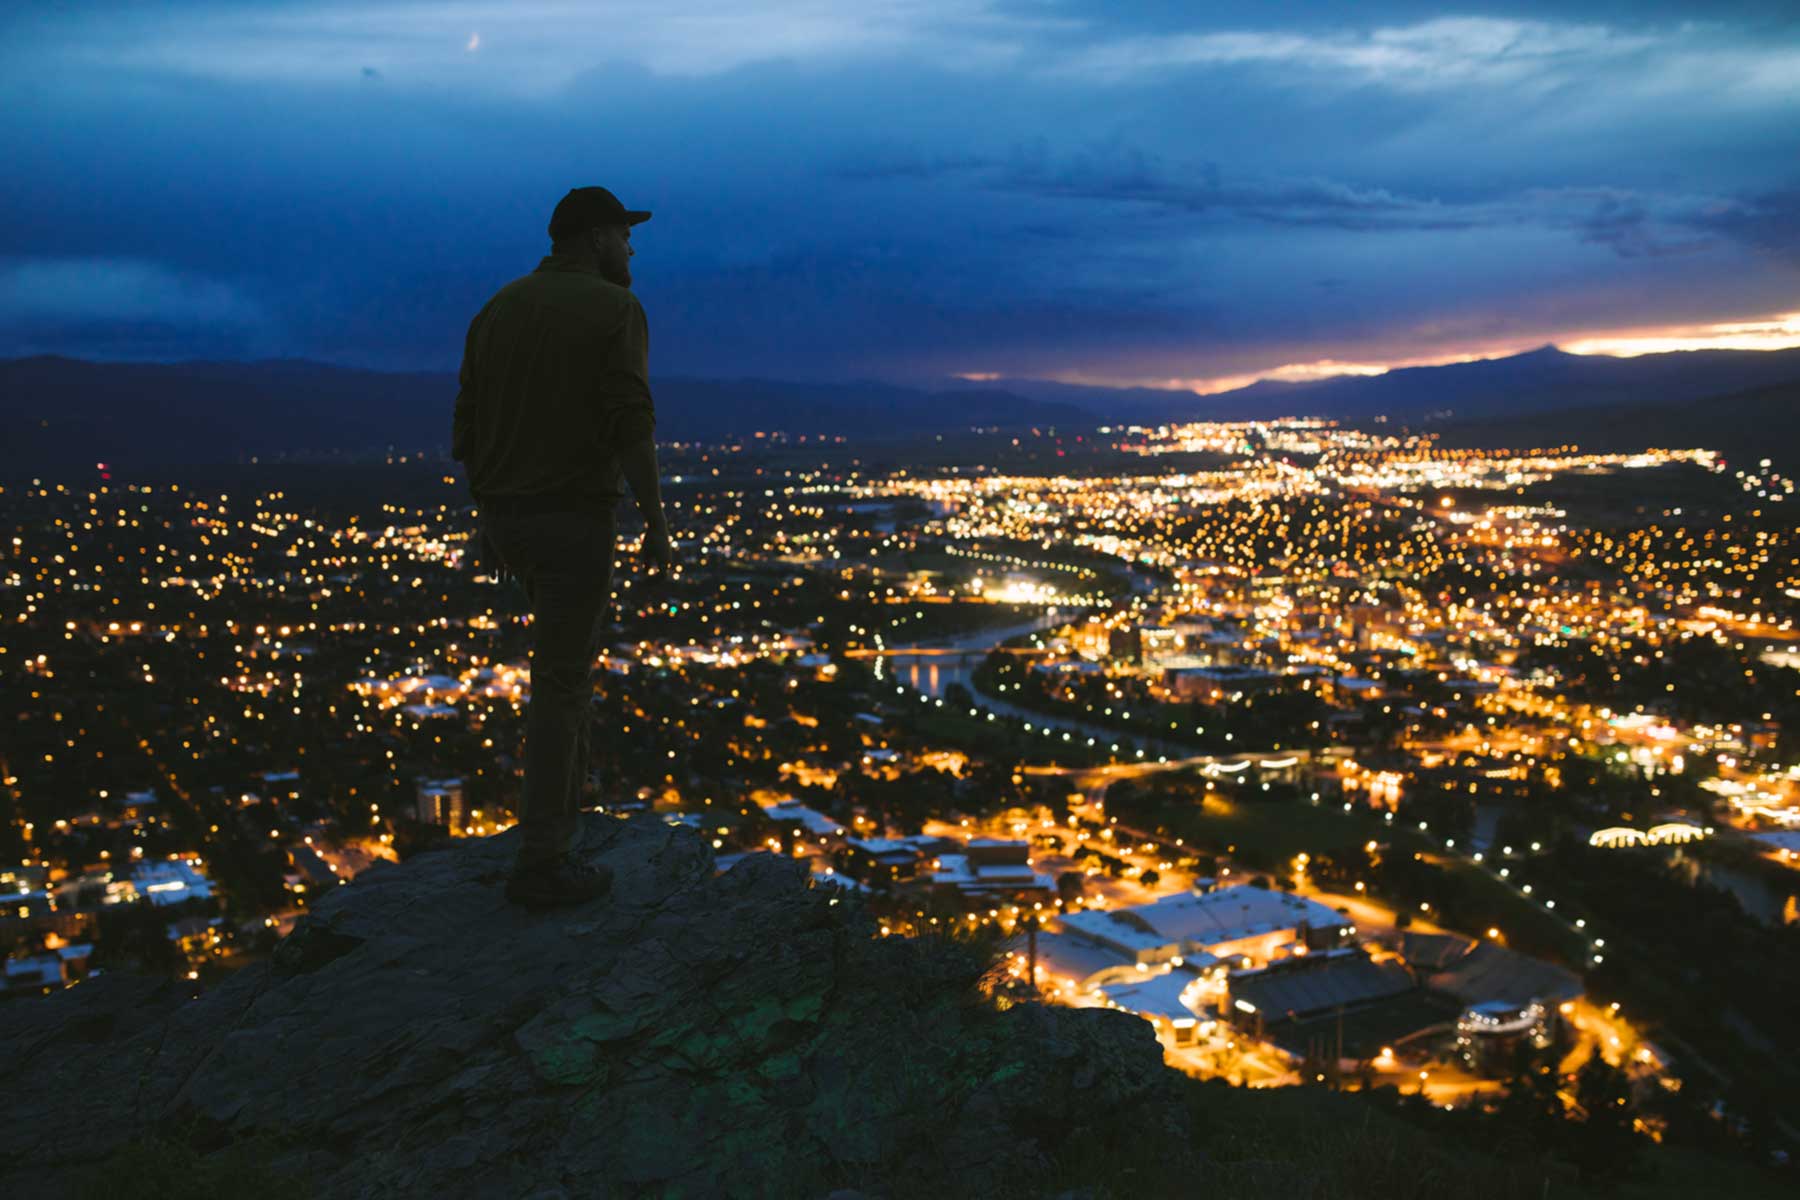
x=657 y=551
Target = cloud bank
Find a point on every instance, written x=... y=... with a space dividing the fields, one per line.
x=905 y=189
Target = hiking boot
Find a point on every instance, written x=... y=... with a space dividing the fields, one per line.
x=565 y=880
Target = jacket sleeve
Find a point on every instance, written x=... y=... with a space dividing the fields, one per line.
x=462 y=426
x=630 y=412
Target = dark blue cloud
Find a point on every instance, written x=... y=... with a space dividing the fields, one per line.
x=903 y=189
x=1768 y=221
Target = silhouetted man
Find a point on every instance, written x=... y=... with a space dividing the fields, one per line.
x=554 y=409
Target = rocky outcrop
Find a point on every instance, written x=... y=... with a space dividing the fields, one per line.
x=693 y=1035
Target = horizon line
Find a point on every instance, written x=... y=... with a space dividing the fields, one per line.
x=1777 y=332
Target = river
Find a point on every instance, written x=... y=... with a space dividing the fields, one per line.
x=932 y=674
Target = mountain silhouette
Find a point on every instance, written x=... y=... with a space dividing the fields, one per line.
x=1541 y=380
x=59 y=414
x=1744 y=427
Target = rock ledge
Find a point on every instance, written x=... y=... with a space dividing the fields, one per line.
x=693 y=1035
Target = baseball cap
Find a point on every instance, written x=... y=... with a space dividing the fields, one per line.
x=585 y=207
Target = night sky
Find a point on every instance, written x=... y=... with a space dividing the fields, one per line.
x=1106 y=191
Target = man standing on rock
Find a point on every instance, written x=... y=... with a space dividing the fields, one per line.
x=554 y=409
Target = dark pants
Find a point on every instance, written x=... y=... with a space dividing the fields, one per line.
x=564 y=561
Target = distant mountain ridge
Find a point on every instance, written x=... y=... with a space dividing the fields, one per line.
x=1264 y=398
x=60 y=413
x=1742 y=426
x=1538 y=380
x=1549 y=379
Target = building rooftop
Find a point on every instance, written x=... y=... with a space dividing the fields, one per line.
x=1115 y=929
x=1158 y=995
x=1071 y=959
x=814 y=821
x=170 y=882
x=1361 y=1032
x=883 y=847
x=955 y=870
x=1433 y=951
x=1301 y=987
x=1232 y=913
x=1490 y=972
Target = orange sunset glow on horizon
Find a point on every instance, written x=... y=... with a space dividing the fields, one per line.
x=1779 y=332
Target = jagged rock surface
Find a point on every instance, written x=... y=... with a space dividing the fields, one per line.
x=693 y=1035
